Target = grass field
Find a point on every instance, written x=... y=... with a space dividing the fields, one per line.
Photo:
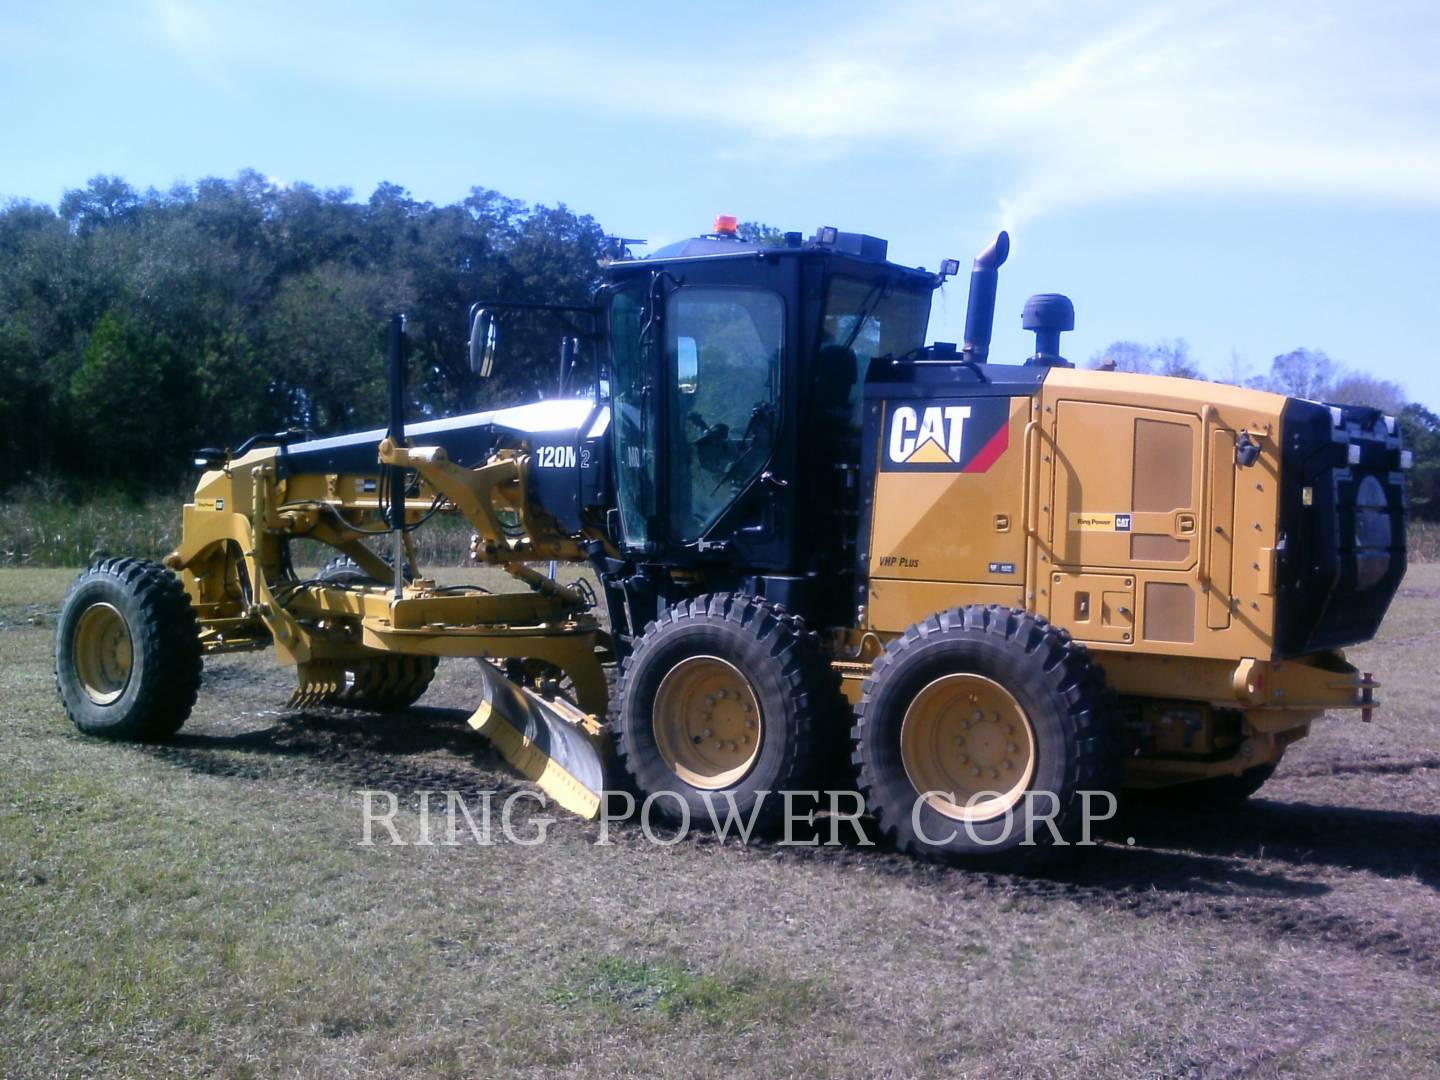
x=205 y=908
x=44 y=529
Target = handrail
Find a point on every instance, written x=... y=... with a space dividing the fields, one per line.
x=1028 y=524
x=1206 y=515
x=1033 y=476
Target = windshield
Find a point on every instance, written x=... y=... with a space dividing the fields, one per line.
x=870 y=319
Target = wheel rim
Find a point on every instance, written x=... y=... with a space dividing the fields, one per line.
x=965 y=735
x=707 y=722
x=104 y=653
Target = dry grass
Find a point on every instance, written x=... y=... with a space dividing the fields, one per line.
x=204 y=908
x=1424 y=541
x=39 y=529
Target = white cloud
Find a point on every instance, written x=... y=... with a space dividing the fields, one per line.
x=1083 y=104
x=192 y=33
x=1063 y=103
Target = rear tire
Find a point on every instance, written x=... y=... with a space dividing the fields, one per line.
x=127 y=651
x=726 y=696
x=992 y=706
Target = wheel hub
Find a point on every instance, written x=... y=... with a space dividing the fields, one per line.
x=104 y=654
x=707 y=722
x=968 y=741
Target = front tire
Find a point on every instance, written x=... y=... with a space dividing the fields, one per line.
x=726 y=696
x=967 y=719
x=127 y=651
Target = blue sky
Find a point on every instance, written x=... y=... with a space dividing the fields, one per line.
x=1252 y=177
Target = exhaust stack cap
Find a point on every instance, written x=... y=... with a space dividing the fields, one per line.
x=1048 y=315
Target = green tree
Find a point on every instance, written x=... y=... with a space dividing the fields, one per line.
x=24 y=407
x=1352 y=388
x=1302 y=373
x=1169 y=356
x=329 y=325
x=757 y=232
x=128 y=403
x=1421 y=430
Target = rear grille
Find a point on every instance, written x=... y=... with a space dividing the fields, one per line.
x=1341 y=551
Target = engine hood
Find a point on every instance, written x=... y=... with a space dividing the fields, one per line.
x=468 y=439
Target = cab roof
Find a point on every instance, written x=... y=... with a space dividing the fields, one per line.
x=856 y=247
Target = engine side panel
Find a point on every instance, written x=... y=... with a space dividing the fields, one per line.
x=945 y=470
x=1149 y=535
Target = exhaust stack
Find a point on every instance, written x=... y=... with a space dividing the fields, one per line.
x=980 y=310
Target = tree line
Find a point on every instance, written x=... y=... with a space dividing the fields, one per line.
x=137 y=326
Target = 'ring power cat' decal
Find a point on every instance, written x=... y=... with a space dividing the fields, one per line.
x=945 y=434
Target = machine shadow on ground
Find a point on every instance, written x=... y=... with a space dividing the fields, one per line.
x=1232 y=853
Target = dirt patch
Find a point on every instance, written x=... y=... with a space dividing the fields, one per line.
x=1307 y=868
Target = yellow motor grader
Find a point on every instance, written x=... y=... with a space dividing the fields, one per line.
x=827 y=552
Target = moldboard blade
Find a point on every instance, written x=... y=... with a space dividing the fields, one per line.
x=544 y=741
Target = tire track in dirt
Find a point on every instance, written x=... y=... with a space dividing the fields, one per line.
x=1291 y=870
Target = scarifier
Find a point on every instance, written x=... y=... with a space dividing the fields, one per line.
x=829 y=554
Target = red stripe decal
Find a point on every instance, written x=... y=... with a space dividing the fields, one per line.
x=991 y=451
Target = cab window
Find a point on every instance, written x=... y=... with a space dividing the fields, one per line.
x=724 y=350
x=863 y=320
x=630 y=403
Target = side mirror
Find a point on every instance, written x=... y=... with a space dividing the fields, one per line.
x=482 y=342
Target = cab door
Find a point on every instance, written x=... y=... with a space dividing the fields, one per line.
x=632 y=403
x=724 y=350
